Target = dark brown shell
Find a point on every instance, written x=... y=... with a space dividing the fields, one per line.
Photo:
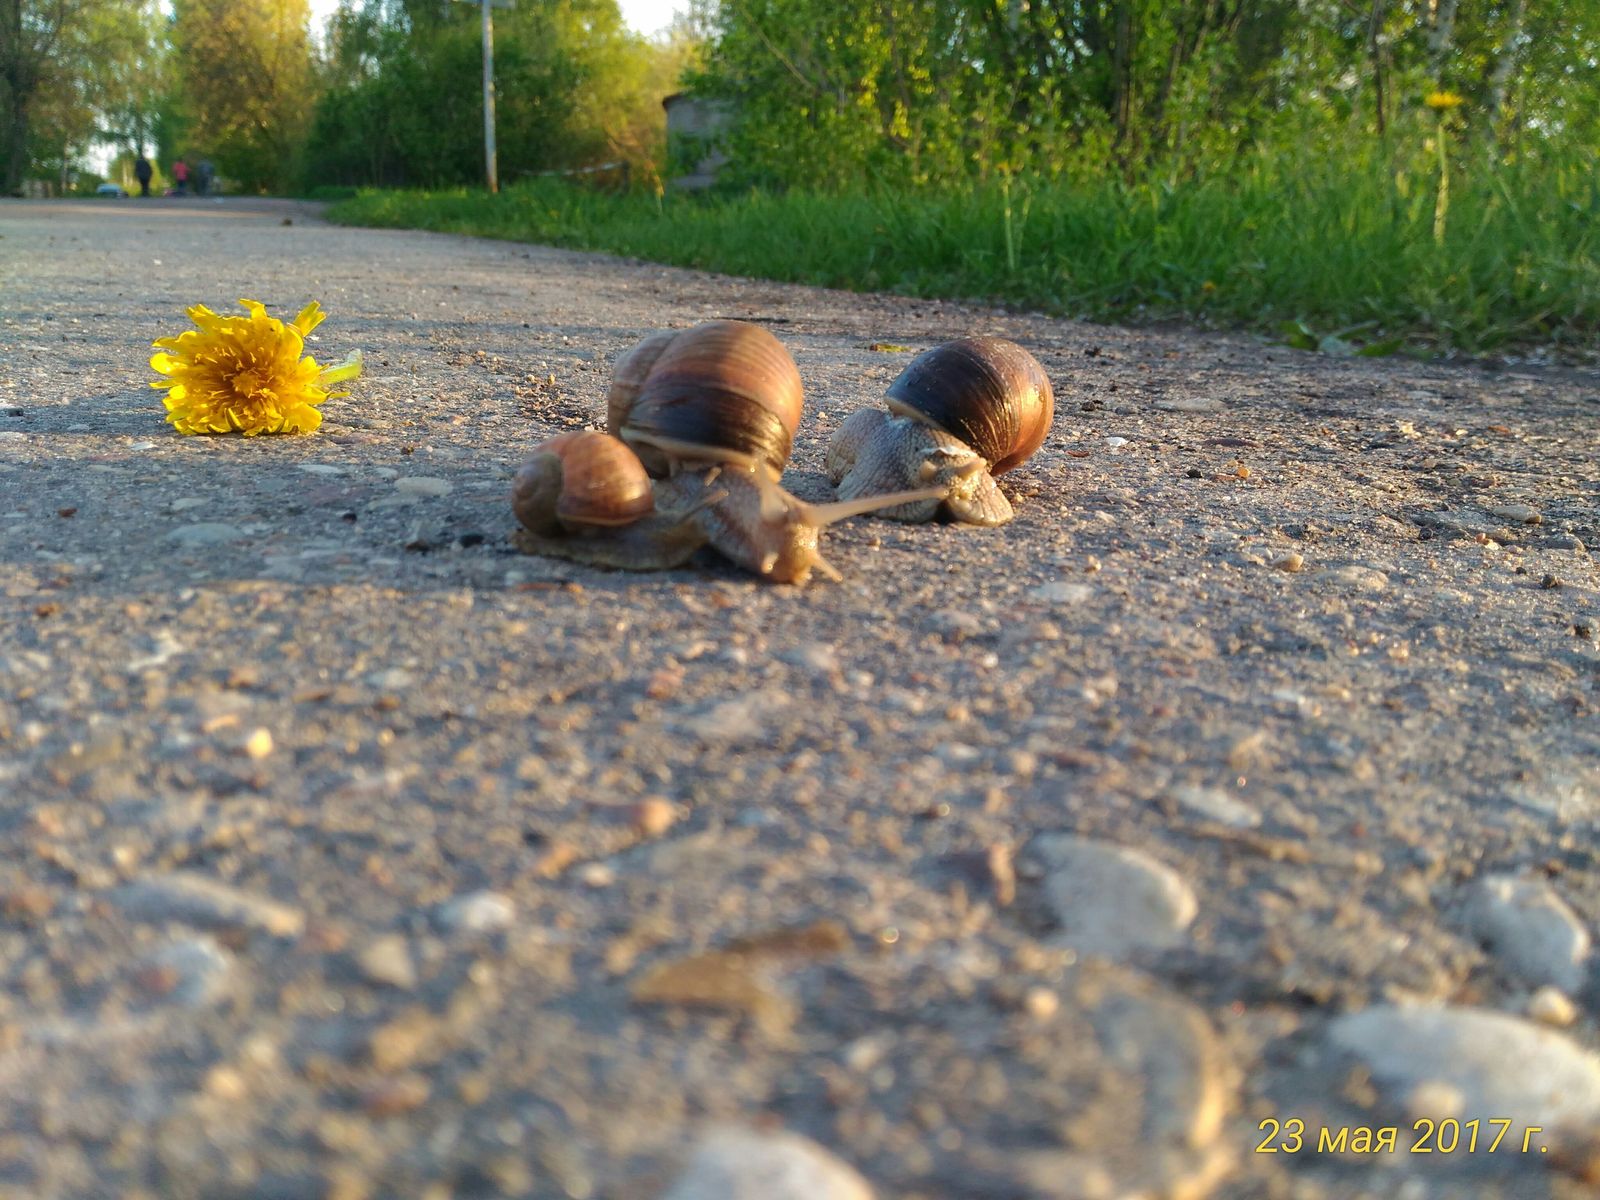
x=990 y=393
x=725 y=386
x=579 y=481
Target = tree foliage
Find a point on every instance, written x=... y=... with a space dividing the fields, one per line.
x=243 y=81
x=829 y=90
x=63 y=63
x=573 y=88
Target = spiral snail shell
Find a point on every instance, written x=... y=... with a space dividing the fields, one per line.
x=585 y=496
x=718 y=392
x=959 y=414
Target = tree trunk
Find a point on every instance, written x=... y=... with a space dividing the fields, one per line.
x=1380 y=100
x=1441 y=34
x=1122 y=72
x=14 y=147
x=1505 y=62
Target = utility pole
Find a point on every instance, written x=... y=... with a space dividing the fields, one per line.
x=491 y=169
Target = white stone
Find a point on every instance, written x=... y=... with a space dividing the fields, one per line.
x=1532 y=931
x=201 y=970
x=1217 y=805
x=1502 y=1066
x=820 y=657
x=1190 y=404
x=1110 y=900
x=737 y=721
x=205 y=533
x=1362 y=579
x=200 y=900
x=387 y=960
x=423 y=485
x=477 y=912
x=1522 y=514
x=1552 y=1006
x=1062 y=592
x=1565 y=797
x=731 y=1163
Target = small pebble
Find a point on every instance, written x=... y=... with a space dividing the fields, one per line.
x=400 y=1094
x=732 y=1163
x=1550 y=1006
x=1531 y=930
x=1522 y=514
x=1063 y=592
x=387 y=960
x=200 y=900
x=1502 y=1066
x=423 y=486
x=258 y=745
x=1110 y=900
x=1041 y=1003
x=1290 y=562
x=477 y=912
x=814 y=656
x=653 y=816
x=1217 y=805
x=206 y=533
x=596 y=875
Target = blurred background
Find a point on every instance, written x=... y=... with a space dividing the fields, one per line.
x=1362 y=175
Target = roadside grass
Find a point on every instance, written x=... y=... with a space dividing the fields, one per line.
x=1313 y=245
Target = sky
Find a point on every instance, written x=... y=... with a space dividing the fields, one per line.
x=644 y=16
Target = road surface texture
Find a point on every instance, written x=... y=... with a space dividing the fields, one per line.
x=1242 y=794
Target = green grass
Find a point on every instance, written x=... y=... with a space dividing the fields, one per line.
x=1331 y=243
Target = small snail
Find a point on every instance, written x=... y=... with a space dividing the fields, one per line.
x=712 y=413
x=585 y=496
x=959 y=415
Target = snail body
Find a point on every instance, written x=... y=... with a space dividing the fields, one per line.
x=959 y=414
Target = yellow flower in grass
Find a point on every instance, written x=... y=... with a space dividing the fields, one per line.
x=1443 y=101
x=245 y=374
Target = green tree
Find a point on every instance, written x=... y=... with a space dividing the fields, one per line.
x=572 y=88
x=825 y=91
x=244 y=80
x=50 y=58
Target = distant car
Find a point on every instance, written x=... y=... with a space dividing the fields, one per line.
x=111 y=189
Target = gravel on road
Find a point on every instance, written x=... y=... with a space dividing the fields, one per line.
x=1239 y=798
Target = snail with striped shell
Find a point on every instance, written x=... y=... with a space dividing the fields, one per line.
x=959 y=415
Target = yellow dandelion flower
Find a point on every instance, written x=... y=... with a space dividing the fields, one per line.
x=1443 y=101
x=245 y=374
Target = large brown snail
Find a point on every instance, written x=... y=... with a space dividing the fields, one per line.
x=959 y=415
x=711 y=413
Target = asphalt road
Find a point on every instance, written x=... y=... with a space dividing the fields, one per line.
x=1250 y=777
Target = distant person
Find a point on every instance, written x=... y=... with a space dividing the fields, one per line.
x=180 y=176
x=203 y=174
x=142 y=172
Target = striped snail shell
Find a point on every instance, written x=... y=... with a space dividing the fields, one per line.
x=578 y=481
x=990 y=393
x=959 y=415
x=722 y=391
